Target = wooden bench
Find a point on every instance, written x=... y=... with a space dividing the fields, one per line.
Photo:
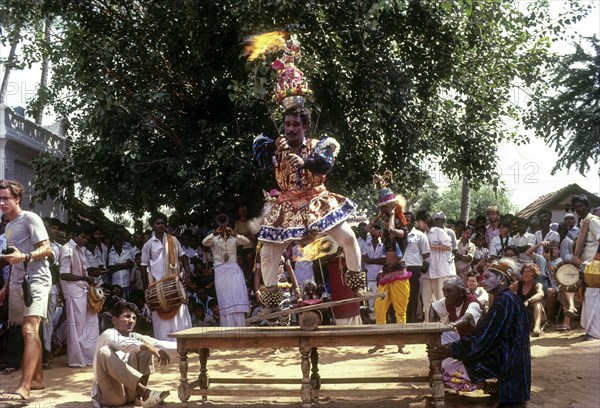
x=201 y=339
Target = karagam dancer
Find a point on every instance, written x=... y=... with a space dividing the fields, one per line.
x=304 y=208
x=394 y=278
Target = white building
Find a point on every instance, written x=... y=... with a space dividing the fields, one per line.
x=21 y=141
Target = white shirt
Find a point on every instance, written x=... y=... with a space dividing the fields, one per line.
x=573 y=233
x=74 y=261
x=153 y=255
x=101 y=253
x=224 y=251
x=362 y=245
x=481 y=295
x=550 y=236
x=377 y=252
x=120 y=277
x=526 y=239
x=417 y=245
x=591 y=239
x=440 y=308
x=467 y=249
x=566 y=249
x=441 y=263
x=499 y=244
x=123 y=346
x=190 y=253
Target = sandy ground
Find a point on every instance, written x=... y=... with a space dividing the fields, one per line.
x=565 y=371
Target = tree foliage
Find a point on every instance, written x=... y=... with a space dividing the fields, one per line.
x=481 y=199
x=565 y=112
x=163 y=108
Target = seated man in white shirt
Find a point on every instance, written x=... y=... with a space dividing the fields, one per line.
x=123 y=362
x=462 y=311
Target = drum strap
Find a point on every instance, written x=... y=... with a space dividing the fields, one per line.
x=171 y=261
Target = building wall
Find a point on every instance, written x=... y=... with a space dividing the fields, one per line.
x=21 y=141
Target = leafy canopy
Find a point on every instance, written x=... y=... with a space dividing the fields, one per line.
x=565 y=111
x=162 y=108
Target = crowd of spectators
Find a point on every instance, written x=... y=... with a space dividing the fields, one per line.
x=437 y=249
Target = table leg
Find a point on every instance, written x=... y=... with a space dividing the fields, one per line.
x=306 y=390
x=203 y=377
x=435 y=379
x=314 y=367
x=182 y=391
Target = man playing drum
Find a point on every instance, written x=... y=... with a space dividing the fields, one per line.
x=161 y=258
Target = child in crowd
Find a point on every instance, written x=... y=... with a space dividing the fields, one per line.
x=476 y=290
x=198 y=315
x=214 y=320
x=135 y=275
x=481 y=256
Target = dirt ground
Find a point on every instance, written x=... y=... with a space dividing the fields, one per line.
x=565 y=373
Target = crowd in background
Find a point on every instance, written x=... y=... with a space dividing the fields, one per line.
x=535 y=244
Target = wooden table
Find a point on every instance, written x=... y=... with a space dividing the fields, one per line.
x=202 y=339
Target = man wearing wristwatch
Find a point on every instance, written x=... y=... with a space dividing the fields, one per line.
x=28 y=240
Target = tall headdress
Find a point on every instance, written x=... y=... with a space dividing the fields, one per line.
x=291 y=89
x=383 y=183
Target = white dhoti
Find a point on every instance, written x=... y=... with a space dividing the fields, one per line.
x=162 y=327
x=232 y=294
x=590 y=314
x=454 y=373
x=82 y=330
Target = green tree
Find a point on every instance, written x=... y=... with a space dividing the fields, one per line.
x=425 y=198
x=163 y=109
x=481 y=199
x=565 y=111
x=20 y=22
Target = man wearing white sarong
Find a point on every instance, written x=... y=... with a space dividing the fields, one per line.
x=232 y=293
x=462 y=311
x=82 y=322
x=156 y=265
x=374 y=259
x=586 y=250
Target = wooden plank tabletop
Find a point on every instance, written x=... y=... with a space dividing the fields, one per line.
x=321 y=331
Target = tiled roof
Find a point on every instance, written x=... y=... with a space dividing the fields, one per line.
x=558 y=200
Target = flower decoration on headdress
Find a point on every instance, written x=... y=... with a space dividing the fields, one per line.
x=260 y=44
x=292 y=88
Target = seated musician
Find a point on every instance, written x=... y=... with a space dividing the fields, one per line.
x=462 y=311
x=123 y=362
x=498 y=347
x=532 y=294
